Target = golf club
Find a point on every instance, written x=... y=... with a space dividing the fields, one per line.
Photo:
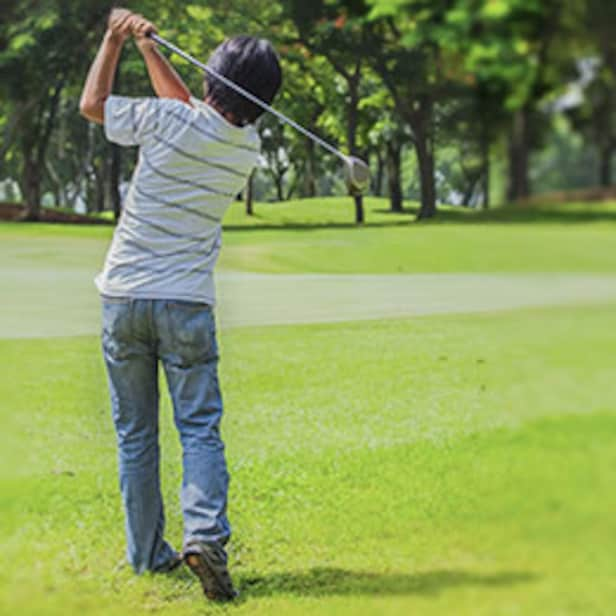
x=357 y=172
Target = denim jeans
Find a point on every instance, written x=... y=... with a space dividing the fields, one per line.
x=137 y=335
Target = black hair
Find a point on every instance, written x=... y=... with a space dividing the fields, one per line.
x=251 y=63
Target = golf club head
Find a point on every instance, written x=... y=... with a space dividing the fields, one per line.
x=357 y=176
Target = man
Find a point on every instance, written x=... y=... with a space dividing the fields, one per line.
x=157 y=284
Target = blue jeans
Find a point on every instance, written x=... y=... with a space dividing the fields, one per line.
x=137 y=335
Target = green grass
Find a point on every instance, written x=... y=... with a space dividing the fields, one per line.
x=317 y=237
x=438 y=465
x=295 y=237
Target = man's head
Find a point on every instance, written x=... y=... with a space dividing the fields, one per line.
x=251 y=63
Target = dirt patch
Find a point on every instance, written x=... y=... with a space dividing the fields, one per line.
x=14 y=212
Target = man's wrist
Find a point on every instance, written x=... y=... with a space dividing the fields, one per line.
x=114 y=38
x=145 y=44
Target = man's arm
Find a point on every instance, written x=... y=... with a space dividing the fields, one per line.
x=100 y=77
x=165 y=81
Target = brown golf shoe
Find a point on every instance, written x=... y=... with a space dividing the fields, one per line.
x=209 y=563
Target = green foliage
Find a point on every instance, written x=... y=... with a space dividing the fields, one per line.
x=444 y=77
x=595 y=118
x=43 y=52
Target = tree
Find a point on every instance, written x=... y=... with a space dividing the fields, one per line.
x=308 y=95
x=595 y=118
x=387 y=134
x=338 y=32
x=472 y=121
x=407 y=43
x=275 y=152
x=519 y=49
x=42 y=50
x=519 y=54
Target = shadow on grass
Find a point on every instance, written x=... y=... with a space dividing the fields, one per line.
x=330 y=581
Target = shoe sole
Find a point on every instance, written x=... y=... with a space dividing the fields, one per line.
x=210 y=582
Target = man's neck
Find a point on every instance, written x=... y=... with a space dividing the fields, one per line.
x=230 y=117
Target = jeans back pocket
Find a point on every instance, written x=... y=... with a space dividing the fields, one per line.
x=191 y=335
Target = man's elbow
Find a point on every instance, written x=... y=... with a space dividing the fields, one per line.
x=92 y=110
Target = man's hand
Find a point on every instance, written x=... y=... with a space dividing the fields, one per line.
x=165 y=81
x=119 y=25
x=140 y=27
x=100 y=77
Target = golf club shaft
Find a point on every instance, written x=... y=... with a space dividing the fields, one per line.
x=251 y=97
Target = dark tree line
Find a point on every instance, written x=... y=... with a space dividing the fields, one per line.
x=378 y=79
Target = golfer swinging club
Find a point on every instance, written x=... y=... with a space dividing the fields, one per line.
x=157 y=284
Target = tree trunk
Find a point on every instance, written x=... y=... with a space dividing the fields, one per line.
x=292 y=187
x=425 y=162
x=249 y=195
x=359 y=209
x=56 y=183
x=34 y=150
x=419 y=118
x=352 y=122
x=394 y=156
x=279 y=181
x=100 y=189
x=99 y=180
x=485 y=169
x=310 y=183
x=605 y=165
x=519 y=184
x=31 y=188
x=425 y=159
x=380 y=174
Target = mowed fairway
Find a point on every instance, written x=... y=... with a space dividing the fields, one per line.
x=436 y=464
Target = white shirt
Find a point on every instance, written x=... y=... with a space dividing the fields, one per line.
x=192 y=164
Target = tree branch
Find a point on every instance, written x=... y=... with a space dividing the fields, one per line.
x=51 y=119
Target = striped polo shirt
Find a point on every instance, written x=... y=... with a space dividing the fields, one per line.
x=192 y=164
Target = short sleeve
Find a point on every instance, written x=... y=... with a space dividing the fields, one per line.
x=130 y=121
